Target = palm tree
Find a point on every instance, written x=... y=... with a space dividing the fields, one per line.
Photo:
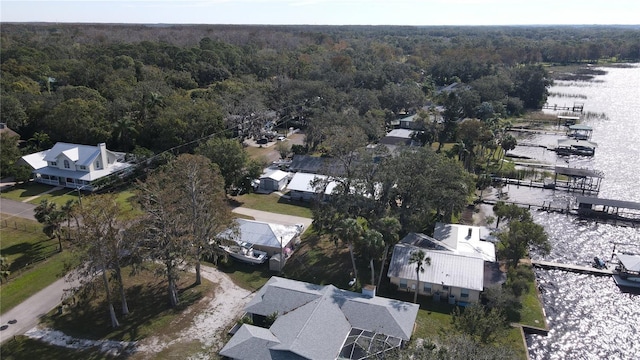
x=123 y=129
x=373 y=242
x=350 y=232
x=48 y=214
x=389 y=227
x=67 y=212
x=419 y=258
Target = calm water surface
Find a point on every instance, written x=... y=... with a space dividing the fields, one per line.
x=589 y=317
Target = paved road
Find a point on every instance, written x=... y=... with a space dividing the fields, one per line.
x=17 y=208
x=273 y=217
x=28 y=313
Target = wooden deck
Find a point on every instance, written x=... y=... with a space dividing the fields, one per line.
x=571 y=268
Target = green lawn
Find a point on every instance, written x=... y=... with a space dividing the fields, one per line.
x=248 y=276
x=24 y=348
x=273 y=203
x=34 y=258
x=24 y=191
x=32 y=280
x=532 y=312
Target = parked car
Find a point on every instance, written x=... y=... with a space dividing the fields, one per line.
x=262 y=141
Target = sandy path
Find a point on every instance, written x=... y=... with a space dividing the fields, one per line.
x=208 y=327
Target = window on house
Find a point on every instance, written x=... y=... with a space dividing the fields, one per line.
x=445 y=287
x=82 y=167
x=464 y=293
x=403 y=283
x=97 y=164
x=66 y=164
x=427 y=288
x=53 y=163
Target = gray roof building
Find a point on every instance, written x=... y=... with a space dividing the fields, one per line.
x=320 y=322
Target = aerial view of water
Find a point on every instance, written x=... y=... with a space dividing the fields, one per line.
x=589 y=316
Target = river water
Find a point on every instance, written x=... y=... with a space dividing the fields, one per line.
x=589 y=316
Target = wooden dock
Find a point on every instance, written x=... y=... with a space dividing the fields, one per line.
x=571 y=268
x=560 y=185
x=576 y=108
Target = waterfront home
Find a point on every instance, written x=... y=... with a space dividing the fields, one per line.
x=450 y=276
x=320 y=322
x=462 y=264
x=75 y=166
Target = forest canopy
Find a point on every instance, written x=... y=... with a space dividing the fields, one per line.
x=152 y=87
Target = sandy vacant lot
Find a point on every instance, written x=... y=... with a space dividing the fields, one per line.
x=208 y=328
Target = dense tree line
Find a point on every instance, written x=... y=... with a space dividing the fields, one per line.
x=154 y=88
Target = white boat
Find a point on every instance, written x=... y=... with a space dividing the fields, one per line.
x=627 y=271
x=245 y=252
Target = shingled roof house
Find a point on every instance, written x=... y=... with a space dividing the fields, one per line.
x=320 y=322
x=74 y=166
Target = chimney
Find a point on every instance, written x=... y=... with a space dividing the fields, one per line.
x=470 y=232
x=369 y=291
x=103 y=155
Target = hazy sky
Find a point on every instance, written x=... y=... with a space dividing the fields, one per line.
x=327 y=12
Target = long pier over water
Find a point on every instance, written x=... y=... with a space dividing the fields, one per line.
x=571 y=268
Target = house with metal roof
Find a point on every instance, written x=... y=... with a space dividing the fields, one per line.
x=75 y=166
x=399 y=137
x=465 y=240
x=306 y=186
x=455 y=277
x=268 y=237
x=320 y=322
x=274 y=181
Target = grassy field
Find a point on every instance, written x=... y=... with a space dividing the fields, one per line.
x=24 y=348
x=34 y=258
x=273 y=203
x=33 y=279
x=25 y=191
x=248 y=276
x=532 y=312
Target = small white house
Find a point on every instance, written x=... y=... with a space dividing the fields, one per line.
x=274 y=181
x=301 y=187
x=75 y=166
x=268 y=237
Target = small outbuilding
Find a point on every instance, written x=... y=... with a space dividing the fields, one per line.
x=274 y=181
